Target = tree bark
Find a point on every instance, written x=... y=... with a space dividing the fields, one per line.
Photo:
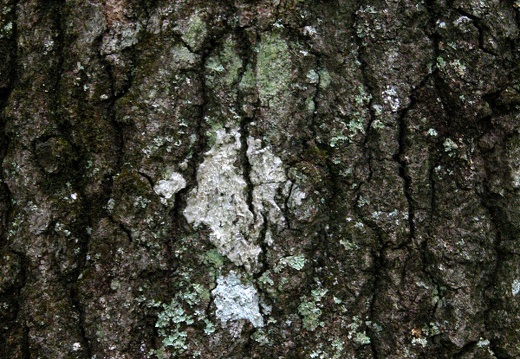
x=259 y=179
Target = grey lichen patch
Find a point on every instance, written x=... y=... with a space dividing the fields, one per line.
x=356 y=334
x=273 y=67
x=183 y=58
x=311 y=315
x=120 y=37
x=168 y=187
x=310 y=310
x=220 y=200
x=325 y=79
x=391 y=98
x=450 y=147
x=248 y=80
x=295 y=262
x=174 y=318
x=193 y=31
x=236 y=301
x=224 y=67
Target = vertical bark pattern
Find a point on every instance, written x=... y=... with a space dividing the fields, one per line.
x=259 y=179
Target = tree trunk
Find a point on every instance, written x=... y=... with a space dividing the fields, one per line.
x=259 y=179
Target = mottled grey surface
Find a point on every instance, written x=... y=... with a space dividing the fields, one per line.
x=259 y=179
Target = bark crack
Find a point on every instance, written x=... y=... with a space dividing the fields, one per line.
x=377 y=254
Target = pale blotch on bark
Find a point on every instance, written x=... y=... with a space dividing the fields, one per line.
x=220 y=200
x=235 y=301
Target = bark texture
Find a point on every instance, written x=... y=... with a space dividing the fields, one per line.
x=259 y=179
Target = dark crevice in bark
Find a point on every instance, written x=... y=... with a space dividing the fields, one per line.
x=87 y=210
x=118 y=127
x=124 y=229
x=465 y=350
x=58 y=18
x=426 y=259
x=285 y=209
x=248 y=59
x=148 y=178
x=78 y=307
x=499 y=260
x=25 y=346
x=262 y=257
x=246 y=164
x=377 y=253
x=20 y=315
x=367 y=83
x=5 y=93
x=399 y=157
x=7 y=214
x=6 y=193
x=495 y=349
x=379 y=267
x=433 y=190
x=481 y=28
x=315 y=97
x=120 y=134
x=200 y=146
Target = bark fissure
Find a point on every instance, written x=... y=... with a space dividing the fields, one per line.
x=340 y=93
x=403 y=169
x=378 y=252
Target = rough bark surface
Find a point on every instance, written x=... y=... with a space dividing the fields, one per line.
x=259 y=179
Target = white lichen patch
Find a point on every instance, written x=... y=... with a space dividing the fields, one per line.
x=220 y=201
x=267 y=175
x=450 y=146
x=169 y=187
x=516 y=178
x=515 y=287
x=391 y=98
x=236 y=301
